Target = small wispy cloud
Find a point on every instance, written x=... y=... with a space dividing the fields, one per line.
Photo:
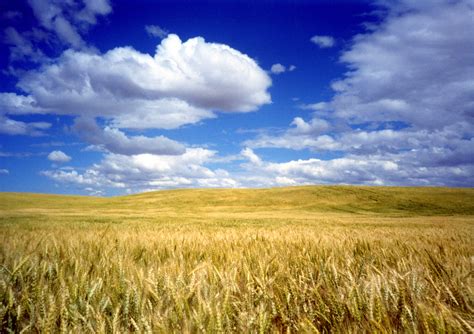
x=323 y=42
x=315 y=106
x=156 y=31
x=59 y=156
x=279 y=68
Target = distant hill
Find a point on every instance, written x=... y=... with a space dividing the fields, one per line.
x=308 y=200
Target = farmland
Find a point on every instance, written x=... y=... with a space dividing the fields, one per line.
x=297 y=259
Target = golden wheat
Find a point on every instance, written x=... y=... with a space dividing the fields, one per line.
x=104 y=272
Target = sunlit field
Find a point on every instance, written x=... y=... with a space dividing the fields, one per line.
x=302 y=259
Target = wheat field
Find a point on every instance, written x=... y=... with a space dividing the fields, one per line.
x=301 y=259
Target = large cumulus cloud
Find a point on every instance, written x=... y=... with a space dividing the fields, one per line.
x=182 y=83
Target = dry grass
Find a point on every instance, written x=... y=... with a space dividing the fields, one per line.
x=197 y=261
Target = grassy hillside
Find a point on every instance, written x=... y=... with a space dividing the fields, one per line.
x=407 y=201
x=301 y=259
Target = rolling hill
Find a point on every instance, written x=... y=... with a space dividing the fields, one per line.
x=365 y=200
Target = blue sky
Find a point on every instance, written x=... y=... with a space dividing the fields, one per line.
x=113 y=97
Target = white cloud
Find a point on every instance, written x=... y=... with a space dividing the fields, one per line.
x=12 y=127
x=319 y=106
x=4 y=171
x=295 y=142
x=148 y=171
x=354 y=169
x=165 y=113
x=277 y=69
x=59 y=156
x=156 y=31
x=323 y=41
x=94 y=192
x=87 y=179
x=415 y=67
x=251 y=156
x=302 y=135
x=60 y=24
x=11 y=103
x=285 y=181
x=67 y=32
x=314 y=126
x=68 y=19
x=451 y=143
x=92 y=9
x=116 y=141
x=21 y=47
x=182 y=83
